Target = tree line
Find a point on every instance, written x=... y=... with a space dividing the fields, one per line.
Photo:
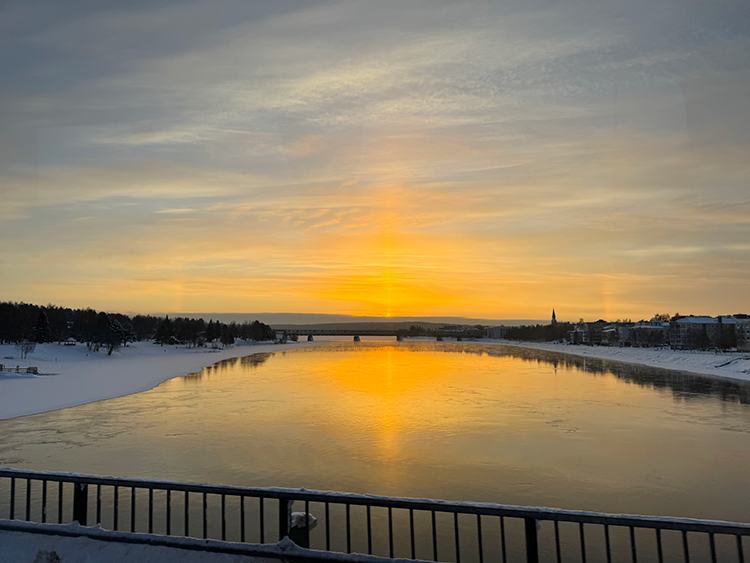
x=539 y=333
x=24 y=322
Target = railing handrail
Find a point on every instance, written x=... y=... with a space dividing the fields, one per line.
x=490 y=509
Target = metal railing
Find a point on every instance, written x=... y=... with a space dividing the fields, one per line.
x=353 y=523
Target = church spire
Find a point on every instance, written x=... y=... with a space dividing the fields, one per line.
x=554 y=318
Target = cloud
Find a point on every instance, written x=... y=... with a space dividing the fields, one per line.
x=460 y=157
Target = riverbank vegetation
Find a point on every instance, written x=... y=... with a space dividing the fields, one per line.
x=21 y=322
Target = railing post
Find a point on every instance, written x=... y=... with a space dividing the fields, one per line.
x=300 y=536
x=285 y=517
x=302 y=523
x=80 y=502
x=532 y=548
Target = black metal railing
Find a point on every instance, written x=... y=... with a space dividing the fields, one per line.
x=353 y=523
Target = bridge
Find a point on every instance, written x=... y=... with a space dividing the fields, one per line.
x=329 y=332
x=469 y=332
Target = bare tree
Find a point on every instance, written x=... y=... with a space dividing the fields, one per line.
x=25 y=347
x=663 y=317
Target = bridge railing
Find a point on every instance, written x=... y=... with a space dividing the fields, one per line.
x=353 y=523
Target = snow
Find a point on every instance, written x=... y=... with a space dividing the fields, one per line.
x=20 y=547
x=727 y=320
x=22 y=542
x=725 y=365
x=74 y=375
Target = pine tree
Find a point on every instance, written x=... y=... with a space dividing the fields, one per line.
x=165 y=332
x=41 y=332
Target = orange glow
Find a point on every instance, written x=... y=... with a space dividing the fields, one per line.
x=391 y=252
x=380 y=396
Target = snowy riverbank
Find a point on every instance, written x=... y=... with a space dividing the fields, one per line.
x=79 y=376
x=730 y=365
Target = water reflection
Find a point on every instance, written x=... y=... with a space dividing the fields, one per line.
x=683 y=385
x=245 y=362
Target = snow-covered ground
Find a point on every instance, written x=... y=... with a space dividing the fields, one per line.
x=19 y=547
x=25 y=542
x=730 y=365
x=78 y=376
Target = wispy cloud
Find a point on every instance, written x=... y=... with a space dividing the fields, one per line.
x=456 y=158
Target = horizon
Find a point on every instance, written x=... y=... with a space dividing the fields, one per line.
x=302 y=319
x=426 y=159
x=318 y=318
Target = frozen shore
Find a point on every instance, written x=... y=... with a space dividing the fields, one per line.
x=729 y=365
x=78 y=376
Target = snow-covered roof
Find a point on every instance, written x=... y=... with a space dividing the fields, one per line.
x=697 y=320
x=707 y=320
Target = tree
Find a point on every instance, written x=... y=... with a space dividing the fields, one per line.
x=41 y=332
x=212 y=332
x=84 y=326
x=165 y=332
x=258 y=331
x=144 y=326
x=226 y=336
x=25 y=347
x=663 y=317
x=101 y=330
x=117 y=336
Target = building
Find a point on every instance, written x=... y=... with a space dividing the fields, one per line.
x=742 y=330
x=649 y=334
x=496 y=331
x=579 y=334
x=700 y=332
x=590 y=333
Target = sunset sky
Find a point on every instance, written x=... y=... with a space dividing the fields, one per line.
x=420 y=158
